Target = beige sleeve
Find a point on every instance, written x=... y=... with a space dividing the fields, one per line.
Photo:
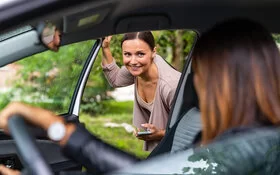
x=116 y=76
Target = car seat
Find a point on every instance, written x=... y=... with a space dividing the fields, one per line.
x=183 y=128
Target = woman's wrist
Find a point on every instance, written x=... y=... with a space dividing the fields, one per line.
x=59 y=131
x=161 y=134
x=46 y=118
x=106 y=50
x=107 y=56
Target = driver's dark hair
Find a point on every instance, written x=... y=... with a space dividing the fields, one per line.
x=237 y=68
x=145 y=36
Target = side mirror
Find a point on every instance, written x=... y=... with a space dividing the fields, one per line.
x=50 y=36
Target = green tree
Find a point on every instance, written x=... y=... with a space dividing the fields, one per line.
x=175 y=45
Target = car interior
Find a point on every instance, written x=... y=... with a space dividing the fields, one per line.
x=21 y=28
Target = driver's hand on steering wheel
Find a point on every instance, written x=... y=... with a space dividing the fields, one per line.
x=37 y=116
x=7 y=171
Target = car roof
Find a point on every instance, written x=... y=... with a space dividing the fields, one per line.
x=87 y=19
x=120 y=16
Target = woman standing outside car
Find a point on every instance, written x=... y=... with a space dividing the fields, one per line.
x=155 y=83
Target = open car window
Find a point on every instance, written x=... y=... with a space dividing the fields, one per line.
x=46 y=79
x=108 y=112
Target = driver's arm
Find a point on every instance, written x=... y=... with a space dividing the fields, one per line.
x=94 y=154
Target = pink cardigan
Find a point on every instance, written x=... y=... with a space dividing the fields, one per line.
x=166 y=87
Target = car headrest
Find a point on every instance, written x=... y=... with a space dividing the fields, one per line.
x=188 y=99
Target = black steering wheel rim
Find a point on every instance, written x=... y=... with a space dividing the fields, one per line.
x=28 y=151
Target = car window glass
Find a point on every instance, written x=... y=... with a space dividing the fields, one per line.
x=46 y=79
x=108 y=112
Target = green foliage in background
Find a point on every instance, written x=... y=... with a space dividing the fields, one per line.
x=117 y=112
x=175 y=45
x=5 y=98
x=95 y=91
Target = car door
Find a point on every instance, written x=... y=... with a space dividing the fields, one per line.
x=54 y=81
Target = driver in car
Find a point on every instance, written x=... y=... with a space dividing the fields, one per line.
x=236 y=76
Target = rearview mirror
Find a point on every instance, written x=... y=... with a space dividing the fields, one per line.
x=50 y=36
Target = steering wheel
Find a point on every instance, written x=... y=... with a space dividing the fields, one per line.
x=29 y=154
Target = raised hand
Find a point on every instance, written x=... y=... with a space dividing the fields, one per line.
x=106 y=42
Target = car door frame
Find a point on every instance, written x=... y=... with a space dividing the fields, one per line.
x=74 y=108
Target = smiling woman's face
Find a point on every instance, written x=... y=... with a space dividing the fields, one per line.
x=137 y=56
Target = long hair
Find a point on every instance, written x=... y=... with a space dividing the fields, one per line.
x=237 y=63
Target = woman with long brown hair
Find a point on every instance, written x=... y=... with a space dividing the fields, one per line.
x=237 y=77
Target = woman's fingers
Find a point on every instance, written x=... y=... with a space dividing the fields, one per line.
x=7 y=171
x=109 y=38
x=106 y=41
x=149 y=126
x=7 y=112
x=156 y=134
x=135 y=131
x=34 y=115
